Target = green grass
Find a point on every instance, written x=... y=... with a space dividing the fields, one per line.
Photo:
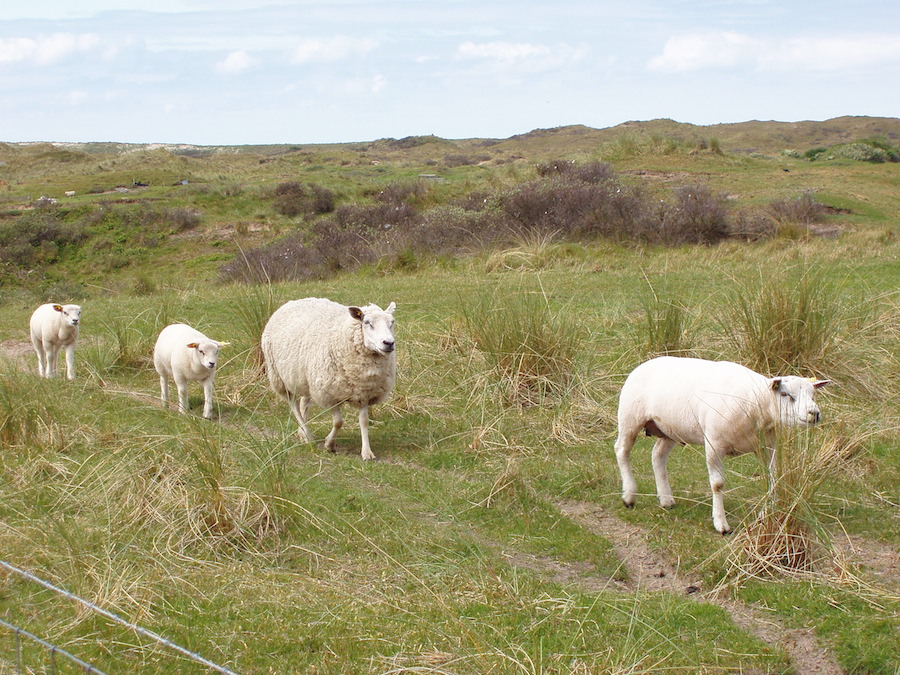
x=266 y=554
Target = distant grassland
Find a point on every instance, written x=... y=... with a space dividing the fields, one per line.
x=460 y=550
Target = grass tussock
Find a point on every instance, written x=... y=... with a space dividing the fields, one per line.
x=787 y=322
x=788 y=537
x=531 y=348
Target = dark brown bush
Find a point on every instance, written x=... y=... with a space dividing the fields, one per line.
x=694 y=216
x=803 y=210
x=294 y=199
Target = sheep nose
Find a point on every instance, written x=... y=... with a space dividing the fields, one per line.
x=816 y=416
x=388 y=345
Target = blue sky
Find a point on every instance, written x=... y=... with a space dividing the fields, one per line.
x=214 y=72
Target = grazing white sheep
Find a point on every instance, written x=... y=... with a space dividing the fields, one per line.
x=722 y=405
x=320 y=351
x=54 y=327
x=186 y=355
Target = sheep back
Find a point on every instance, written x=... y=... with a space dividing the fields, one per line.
x=313 y=347
x=693 y=401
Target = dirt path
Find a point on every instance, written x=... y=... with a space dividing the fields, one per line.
x=648 y=571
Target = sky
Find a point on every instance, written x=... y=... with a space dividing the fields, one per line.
x=238 y=72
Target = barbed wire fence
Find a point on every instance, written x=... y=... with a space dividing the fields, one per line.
x=86 y=667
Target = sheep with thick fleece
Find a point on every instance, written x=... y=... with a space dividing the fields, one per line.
x=722 y=405
x=55 y=327
x=320 y=351
x=185 y=355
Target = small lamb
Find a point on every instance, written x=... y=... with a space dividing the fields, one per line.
x=318 y=350
x=186 y=355
x=54 y=327
x=722 y=405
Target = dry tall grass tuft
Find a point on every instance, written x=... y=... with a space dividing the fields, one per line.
x=787 y=537
x=531 y=348
x=789 y=322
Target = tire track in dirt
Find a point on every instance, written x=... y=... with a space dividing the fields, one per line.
x=648 y=571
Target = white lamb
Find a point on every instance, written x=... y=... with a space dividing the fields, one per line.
x=318 y=350
x=186 y=355
x=54 y=327
x=722 y=405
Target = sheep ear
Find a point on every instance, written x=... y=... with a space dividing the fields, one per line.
x=776 y=383
x=192 y=345
x=356 y=313
x=390 y=308
x=818 y=384
x=58 y=308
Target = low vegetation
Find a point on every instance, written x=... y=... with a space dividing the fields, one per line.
x=530 y=276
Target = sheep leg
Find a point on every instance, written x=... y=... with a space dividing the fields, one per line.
x=300 y=408
x=164 y=390
x=337 y=422
x=364 y=432
x=70 y=361
x=42 y=359
x=208 y=398
x=717 y=483
x=183 y=404
x=623 y=446
x=51 y=369
x=661 y=450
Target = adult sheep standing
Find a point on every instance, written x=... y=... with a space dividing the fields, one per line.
x=320 y=351
x=721 y=405
x=185 y=355
x=55 y=327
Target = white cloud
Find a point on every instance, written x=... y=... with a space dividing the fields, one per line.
x=505 y=52
x=235 y=63
x=77 y=97
x=831 y=54
x=338 y=48
x=379 y=82
x=727 y=50
x=47 y=49
x=523 y=55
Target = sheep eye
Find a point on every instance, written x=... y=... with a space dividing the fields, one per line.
x=787 y=395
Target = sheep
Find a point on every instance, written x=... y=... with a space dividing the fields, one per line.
x=719 y=404
x=316 y=350
x=54 y=327
x=186 y=355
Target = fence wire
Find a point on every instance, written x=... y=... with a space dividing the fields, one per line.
x=53 y=649
x=109 y=615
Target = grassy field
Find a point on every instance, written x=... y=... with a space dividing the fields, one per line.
x=489 y=537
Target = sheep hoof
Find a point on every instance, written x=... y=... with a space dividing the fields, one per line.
x=628 y=505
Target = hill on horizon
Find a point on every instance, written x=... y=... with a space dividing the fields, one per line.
x=740 y=137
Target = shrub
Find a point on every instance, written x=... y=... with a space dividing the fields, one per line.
x=294 y=199
x=592 y=172
x=695 y=216
x=754 y=225
x=406 y=192
x=37 y=237
x=803 y=209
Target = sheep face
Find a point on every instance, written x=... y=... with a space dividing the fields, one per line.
x=377 y=327
x=797 y=400
x=207 y=353
x=71 y=314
